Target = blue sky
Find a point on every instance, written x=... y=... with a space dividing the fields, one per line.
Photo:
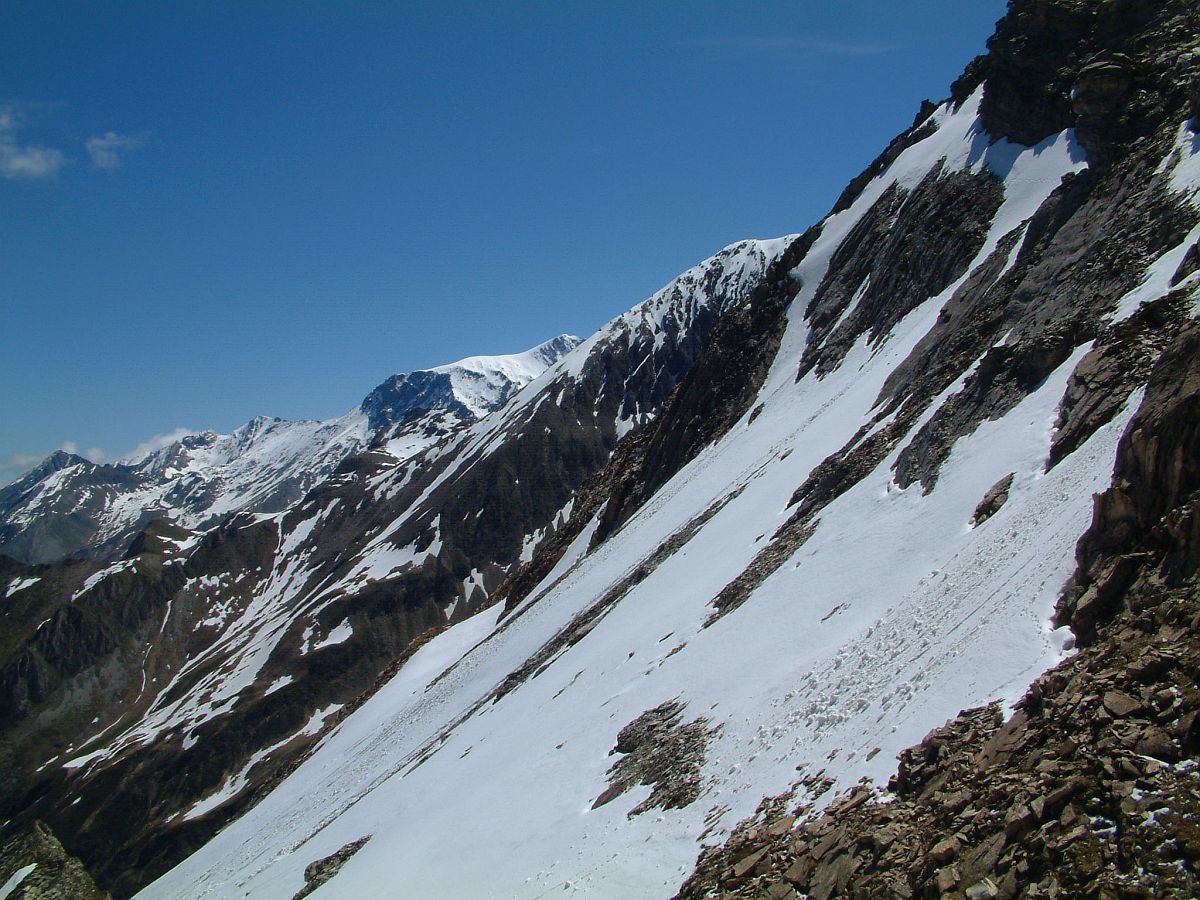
x=211 y=210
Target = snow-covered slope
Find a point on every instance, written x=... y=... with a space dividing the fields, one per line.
x=824 y=632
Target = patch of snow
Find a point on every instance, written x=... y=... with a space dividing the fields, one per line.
x=1183 y=163
x=14 y=880
x=337 y=635
x=81 y=761
x=275 y=685
x=19 y=584
x=317 y=720
x=96 y=577
x=1156 y=282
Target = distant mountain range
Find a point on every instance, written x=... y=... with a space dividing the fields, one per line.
x=69 y=506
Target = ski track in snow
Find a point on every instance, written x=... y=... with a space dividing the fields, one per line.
x=892 y=617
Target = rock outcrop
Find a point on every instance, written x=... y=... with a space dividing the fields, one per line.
x=662 y=752
x=34 y=866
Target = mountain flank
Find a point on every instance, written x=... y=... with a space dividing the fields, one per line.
x=1088 y=787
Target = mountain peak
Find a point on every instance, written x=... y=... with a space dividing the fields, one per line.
x=55 y=462
x=470 y=387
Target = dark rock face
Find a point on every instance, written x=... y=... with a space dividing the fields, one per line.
x=590 y=497
x=993 y=500
x=74 y=635
x=41 y=869
x=1055 y=64
x=658 y=750
x=1027 y=68
x=1146 y=522
x=907 y=248
x=403 y=397
x=323 y=870
x=1082 y=252
x=1121 y=360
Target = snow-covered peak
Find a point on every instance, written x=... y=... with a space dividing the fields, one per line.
x=722 y=281
x=483 y=383
x=516 y=366
x=471 y=387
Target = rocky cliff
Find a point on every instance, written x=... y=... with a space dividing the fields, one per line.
x=34 y=866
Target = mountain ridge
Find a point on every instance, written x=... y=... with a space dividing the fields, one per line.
x=265 y=465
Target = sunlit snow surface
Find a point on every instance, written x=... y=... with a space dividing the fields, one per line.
x=481 y=383
x=19 y=584
x=894 y=615
x=15 y=880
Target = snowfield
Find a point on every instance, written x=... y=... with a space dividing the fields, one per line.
x=895 y=614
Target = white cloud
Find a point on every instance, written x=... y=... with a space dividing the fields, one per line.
x=145 y=448
x=93 y=454
x=106 y=151
x=21 y=461
x=26 y=161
